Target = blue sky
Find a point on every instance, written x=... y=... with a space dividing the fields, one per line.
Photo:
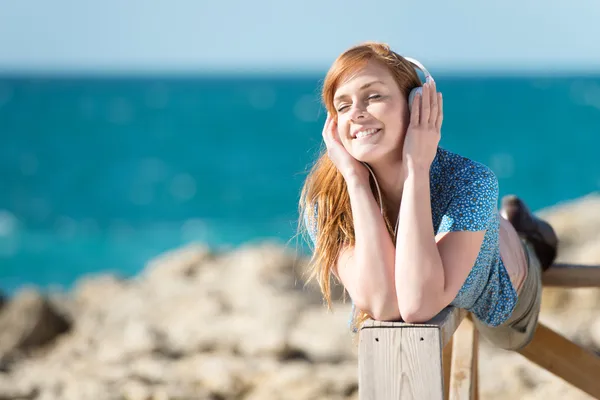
x=306 y=35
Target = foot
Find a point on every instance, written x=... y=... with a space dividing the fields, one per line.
x=536 y=231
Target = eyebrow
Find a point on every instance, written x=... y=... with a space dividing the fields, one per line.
x=366 y=85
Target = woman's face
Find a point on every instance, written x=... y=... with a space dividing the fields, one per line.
x=372 y=114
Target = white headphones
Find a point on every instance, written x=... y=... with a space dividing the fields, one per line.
x=418 y=89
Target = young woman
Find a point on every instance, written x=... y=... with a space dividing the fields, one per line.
x=407 y=227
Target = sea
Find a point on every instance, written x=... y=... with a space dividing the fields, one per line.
x=100 y=174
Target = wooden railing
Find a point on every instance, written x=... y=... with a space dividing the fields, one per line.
x=438 y=360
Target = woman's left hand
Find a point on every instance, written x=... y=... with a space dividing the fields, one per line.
x=424 y=130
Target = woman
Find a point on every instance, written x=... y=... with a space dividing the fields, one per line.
x=407 y=227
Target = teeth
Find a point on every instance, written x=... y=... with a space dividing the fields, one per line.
x=366 y=132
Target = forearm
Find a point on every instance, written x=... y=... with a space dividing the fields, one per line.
x=419 y=274
x=373 y=255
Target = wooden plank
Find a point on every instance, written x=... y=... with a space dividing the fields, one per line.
x=464 y=376
x=379 y=363
x=476 y=371
x=398 y=360
x=565 y=359
x=447 y=362
x=447 y=320
x=400 y=364
x=422 y=362
x=572 y=275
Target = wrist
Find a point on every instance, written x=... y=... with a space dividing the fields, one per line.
x=417 y=177
x=416 y=169
x=356 y=181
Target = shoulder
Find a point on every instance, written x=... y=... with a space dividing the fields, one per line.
x=465 y=196
x=463 y=173
x=454 y=164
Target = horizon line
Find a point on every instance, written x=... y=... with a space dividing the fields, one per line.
x=283 y=71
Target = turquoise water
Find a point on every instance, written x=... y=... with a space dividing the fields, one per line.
x=102 y=174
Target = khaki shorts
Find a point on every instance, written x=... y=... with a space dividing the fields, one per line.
x=517 y=332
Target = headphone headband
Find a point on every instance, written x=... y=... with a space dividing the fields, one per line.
x=419 y=89
x=420 y=66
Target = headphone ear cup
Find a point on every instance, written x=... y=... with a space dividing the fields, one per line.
x=411 y=96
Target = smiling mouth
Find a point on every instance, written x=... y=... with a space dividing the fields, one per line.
x=366 y=133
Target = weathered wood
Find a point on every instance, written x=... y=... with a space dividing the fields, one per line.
x=447 y=362
x=572 y=275
x=476 y=369
x=565 y=359
x=447 y=320
x=464 y=375
x=400 y=364
x=398 y=360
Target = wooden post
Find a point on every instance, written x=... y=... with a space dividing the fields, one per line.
x=464 y=375
x=565 y=359
x=572 y=275
x=447 y=362
x=424 y=362
x=403 y=361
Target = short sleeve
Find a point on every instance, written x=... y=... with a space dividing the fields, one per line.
x=475 y=203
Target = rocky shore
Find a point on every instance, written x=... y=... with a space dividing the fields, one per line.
x=200 y=325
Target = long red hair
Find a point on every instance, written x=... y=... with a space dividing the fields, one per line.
x=325 y=189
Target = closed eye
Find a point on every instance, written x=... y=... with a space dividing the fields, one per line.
x=372 y=97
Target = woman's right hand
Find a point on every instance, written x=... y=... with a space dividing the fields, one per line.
x=349 y=167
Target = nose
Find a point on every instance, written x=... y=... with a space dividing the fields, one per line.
x=357 y=112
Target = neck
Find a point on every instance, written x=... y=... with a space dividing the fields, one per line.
x=390 y=177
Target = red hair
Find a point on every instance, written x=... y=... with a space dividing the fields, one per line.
x=325 y=189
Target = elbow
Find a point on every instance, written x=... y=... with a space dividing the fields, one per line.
x=417 y=313
x=386 y=314
x=392 y=312
x=421 y=307
x=415 y=316
x=381 y=311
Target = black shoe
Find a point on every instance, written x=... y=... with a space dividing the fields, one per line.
x=536 y=231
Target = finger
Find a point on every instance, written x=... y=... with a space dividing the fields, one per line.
x=416 y=110
x=335 y=135
x=326 y=128
x=425 y=104
x=332 y=133
x=440 y=117
x=434 y=103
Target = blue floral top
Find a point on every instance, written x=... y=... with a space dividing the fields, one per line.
x=464 y=197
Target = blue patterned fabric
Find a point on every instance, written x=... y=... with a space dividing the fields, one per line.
x=464 y=197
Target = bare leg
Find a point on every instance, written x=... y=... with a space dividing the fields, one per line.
x=512 y=254
x=537 y=232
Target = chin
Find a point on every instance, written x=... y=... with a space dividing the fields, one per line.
x=376 y=151
x=370 y=155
